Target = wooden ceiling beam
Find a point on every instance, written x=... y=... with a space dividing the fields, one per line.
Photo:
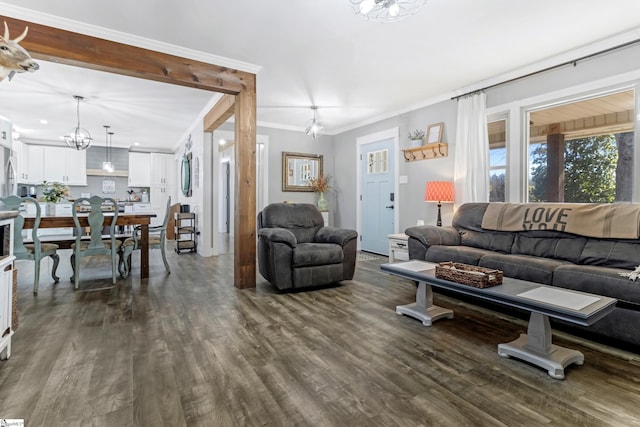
x=220 y=113
x=66 y=47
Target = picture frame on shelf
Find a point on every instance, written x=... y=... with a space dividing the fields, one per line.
x=434 y=133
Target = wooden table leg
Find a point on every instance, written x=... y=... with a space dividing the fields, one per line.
x=144 y=251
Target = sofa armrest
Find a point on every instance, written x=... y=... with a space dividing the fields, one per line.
x=340 y=236
x=430 y=235
x=278 y=235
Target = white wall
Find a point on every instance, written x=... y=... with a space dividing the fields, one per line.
x=198 y=189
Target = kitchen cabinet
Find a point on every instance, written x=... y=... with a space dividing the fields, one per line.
x=139 y=169
x=65 y=165
x=30 y=163
x=163 y=170
x=6 y=289
x=163 y=184
x=37 y=163
x=158 y=199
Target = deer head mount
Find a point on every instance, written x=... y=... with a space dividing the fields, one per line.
x=13 y=57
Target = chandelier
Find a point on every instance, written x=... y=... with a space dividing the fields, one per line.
x=313 y=126
x=78 y=138
x=386 y=10
x=107 y=165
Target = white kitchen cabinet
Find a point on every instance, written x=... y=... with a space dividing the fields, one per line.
x=139 y=169
x=30 y=163
x=158 y=199
x=65 y=165
x=6 y=290
x=163 y=184
x=162 y=171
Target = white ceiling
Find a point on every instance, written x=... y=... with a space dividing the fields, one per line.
x=310 y=52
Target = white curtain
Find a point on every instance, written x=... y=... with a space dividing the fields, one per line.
x=471 y=174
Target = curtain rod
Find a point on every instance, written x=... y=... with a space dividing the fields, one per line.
x=573 y=62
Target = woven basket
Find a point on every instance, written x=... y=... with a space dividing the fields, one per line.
x=14 y=303
x=479 y=277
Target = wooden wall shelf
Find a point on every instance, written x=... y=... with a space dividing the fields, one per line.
x=426 y=152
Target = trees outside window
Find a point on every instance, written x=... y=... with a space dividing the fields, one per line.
x=589 y=172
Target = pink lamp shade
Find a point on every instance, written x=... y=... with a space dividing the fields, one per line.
x=438 y=191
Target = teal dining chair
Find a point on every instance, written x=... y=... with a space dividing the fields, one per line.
x=157 y=239
x=96 y=244
x=35 y=251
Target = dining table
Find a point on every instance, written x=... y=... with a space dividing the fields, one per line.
x=142 y=219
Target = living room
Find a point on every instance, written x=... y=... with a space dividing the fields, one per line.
x=217 y=379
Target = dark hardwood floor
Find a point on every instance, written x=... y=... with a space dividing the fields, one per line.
x=190 y=349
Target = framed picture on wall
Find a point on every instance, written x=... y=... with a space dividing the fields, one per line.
x=434 y=133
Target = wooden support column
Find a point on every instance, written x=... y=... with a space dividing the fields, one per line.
x=555 y=166
x=244 y=261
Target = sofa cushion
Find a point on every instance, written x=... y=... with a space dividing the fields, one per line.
x=598 y=280
x=463 y=254
x=524 y=267
x=310 y=254
x=493 y=240
x=567 y=247
x=611 y=253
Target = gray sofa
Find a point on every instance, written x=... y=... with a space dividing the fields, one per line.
x=296 y=250
x=550 y=257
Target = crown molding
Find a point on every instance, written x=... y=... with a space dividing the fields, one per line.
x=554 y=61
x=124 y=38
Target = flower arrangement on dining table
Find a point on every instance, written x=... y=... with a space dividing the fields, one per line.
x=54 y=191
x=320 y=184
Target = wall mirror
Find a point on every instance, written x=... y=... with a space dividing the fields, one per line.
x=298 y=169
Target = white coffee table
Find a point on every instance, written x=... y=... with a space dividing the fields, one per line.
x=542 y=301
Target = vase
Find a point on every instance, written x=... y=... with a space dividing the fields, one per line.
x=415 y=143
x=322 y=204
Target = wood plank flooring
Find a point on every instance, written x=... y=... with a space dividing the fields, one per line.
x=188 y=349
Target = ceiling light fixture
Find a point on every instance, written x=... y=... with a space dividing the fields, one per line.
x=313 y=126
x=107 y=165
x=386 y=10
x=78 y=138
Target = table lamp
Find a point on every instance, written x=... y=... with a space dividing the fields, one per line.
x=439 y=191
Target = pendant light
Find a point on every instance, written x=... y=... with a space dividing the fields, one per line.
x=78 y=138
x=313 y=126
x=107 y=165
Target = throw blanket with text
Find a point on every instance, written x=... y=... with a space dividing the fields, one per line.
x=614 y=221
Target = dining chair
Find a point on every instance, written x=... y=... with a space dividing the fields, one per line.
x=37 y=250
x=157 y=239
x=96 y=244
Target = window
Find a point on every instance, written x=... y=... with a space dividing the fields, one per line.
x=378 y=162
x=582 y=152
x=497 y=160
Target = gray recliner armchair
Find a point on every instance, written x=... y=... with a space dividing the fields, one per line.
x=296 y=250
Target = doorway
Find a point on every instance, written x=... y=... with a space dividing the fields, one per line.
x=378 y=190
x=223 y=186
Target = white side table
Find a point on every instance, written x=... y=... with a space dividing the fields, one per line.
x=325 y=217
x=398 y=247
